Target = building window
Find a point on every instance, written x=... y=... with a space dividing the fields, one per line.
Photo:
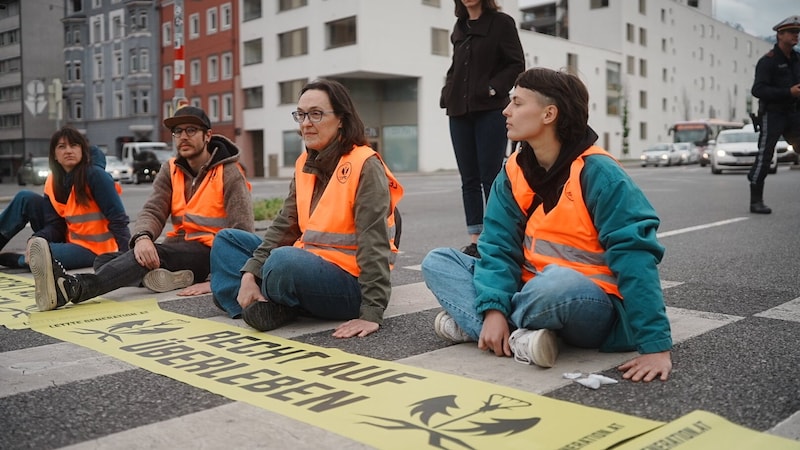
x=167 y=78
x=144 y=60
x=643 y=131
x=631 y=65
x=225 y=16
x=643 y=7
x=211 y=21
x=196 y=102
x=436 y=3
x=664 y=45
x=252 y=52
x=134 y=61
x=76 y=36
x=664 y=104
x=227 y=107
x=77 y=110
x=254 y=97
x=594 y=4
x=252 y=10
x=98 y=106
x=134 y=102
x=664 y=75
x=97 y=30
x=77 y=67
x=227 y=66
x=118 y=70
x=292 y=147
x=166 y=34
x=212 y=73
x=141 y=23
x=293 y=43
x=145 y=99
x=643 y=37
x=341 y=32
x=643 y=99
x=629 y=30
x=194 y=26
x=194 y=72
x=119 y=108
x=117 y=29
x=68 y=72
x=98 y=67
x=290 y=90
x=285 y=5
x=613 y=88
x=213 y=108
x=643 y=68
x=572 y=63
x=440 y=42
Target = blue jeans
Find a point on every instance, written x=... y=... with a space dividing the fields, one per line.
x=27 y=207
x=290 y=276
x=558 y=299
x=479 y=141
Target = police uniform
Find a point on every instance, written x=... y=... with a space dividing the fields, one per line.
x=779 y=110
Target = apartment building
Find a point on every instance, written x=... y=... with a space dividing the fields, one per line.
x=30 y=64
x=211 y=60
x=646 y=63
x=111 y=75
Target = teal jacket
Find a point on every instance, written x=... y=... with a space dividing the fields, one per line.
x=626 y=225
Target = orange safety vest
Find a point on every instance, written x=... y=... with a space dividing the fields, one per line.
x=86 y=225
x=330 y=231
x=566 y=235
x=204 y=215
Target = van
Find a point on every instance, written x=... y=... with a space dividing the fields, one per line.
x=145 y=158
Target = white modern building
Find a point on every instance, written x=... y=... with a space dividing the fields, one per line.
x=646 y=63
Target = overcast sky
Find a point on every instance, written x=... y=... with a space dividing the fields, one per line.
x=757 y=17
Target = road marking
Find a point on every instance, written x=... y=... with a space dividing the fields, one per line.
x=700 y=227
x=788 y=311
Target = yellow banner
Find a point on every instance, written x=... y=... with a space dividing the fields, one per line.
x=380 y=403
x=701 y=430
x=16 y=301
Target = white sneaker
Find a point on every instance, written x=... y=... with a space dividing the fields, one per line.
x=447 y=329
x=162 y=280
x=538 y=347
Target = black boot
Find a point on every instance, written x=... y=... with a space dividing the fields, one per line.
x=11 y=260
x=757 y=205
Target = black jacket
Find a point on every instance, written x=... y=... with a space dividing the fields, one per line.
x=487 y=54
x=775 y=75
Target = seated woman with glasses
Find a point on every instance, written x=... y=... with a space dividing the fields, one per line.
x=80 y=214
x=329 y=252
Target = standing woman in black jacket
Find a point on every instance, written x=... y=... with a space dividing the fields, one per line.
x=487 y=57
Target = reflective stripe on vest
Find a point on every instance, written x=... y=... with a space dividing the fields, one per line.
x=566 y=235
x=87 y=226
x=204 y=215
x=330 y=232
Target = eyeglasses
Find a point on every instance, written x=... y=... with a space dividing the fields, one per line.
x=313 y=116
x=190 y=131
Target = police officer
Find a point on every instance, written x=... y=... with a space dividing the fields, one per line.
x=777 y=86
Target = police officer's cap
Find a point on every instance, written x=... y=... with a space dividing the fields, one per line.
x=789 y=23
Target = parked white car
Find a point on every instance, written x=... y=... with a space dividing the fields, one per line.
x=688 y=152
x=119 y=170
x=736 y=150
x=662 y=154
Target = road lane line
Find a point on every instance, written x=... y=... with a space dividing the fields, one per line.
x=700 y=227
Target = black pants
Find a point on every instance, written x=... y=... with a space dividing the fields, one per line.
x=773 y=126
x=116 y=270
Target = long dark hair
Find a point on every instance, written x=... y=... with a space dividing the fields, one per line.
x=486 y=5
x=568 y=93
x=352 y=132
x=73 y=137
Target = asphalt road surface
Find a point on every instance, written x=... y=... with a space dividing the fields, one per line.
x=730 y=282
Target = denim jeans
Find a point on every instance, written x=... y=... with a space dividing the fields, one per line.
x=290 y=276
x=479 y=141
x=558 y=298
x=27 y=207
x=120 y=269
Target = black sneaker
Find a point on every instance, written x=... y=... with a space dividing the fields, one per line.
x=11 y=260
x=471 y=250
x=266 y=316
x=54 y=287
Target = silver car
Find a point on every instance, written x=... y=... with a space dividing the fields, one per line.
x=34 y=171
x=663 y=154
x=119 y=170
